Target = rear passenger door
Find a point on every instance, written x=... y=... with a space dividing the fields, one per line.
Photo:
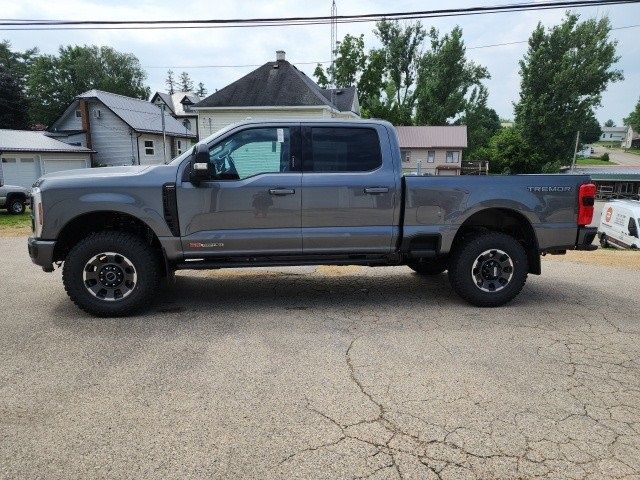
x=348 y=191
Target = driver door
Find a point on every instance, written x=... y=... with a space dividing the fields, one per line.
x=252 y=203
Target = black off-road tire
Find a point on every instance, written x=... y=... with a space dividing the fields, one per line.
x=432 y=266
x=466 y=255
x=145 y=260
x=16 y=206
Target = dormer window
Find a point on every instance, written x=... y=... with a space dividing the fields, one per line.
x=78 y=114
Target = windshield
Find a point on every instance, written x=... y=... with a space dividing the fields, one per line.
x=188 y=152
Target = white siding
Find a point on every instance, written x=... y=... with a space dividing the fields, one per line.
x=157 y=156
x=220 y=118
x=112 y=139
x=70 y=121
x=420 y=155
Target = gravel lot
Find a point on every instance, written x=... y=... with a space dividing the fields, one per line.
x=322 y=373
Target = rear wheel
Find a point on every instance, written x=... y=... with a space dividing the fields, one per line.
x=489 y=269
x=111 y=274
x=429 y=267
x=16 y=206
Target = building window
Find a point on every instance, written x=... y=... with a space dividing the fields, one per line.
x=187 y=124
x=149 y=149
x=78 y=114
x=611 y=135
x=453 y=156
x=431 y=156
x=76 y=144
x=405 y=155
x=179 y=146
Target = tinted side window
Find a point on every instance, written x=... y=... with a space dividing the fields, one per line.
x=251 y=152
x=344 y=149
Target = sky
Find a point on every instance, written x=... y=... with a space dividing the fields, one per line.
x=185 y=50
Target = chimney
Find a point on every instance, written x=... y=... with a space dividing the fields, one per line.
x=280 y=55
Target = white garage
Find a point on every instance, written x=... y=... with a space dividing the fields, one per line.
x=27 y=155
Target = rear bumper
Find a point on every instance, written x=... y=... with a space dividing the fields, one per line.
x=41 y=252
x=586 y=236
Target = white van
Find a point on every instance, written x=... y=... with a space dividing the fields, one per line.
x=619 y=224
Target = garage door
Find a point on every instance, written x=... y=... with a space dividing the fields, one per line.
x=19 y=171
x=58 y=165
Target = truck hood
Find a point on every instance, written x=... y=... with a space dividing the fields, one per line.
x=99 y=172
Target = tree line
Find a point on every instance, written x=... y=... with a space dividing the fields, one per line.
x=415 y=77
x=420 y=77
x=36 y=88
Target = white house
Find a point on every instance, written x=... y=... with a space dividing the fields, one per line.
x=121 y=130
x=180 y=105
x=26 y=155
x=277 y=89
x=613 y=134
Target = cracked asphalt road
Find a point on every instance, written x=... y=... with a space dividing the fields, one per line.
x=322 y=373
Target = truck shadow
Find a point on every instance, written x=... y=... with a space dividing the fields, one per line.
x=229 y=300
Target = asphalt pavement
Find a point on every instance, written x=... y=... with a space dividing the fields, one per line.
x=322 y=373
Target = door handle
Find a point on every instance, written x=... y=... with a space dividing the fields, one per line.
x=282 y=191
x=376 y=190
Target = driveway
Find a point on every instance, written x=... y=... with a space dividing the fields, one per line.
x=619 y=157
x=322 y=373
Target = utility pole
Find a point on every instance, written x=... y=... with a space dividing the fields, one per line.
x=575 y=152
x=164 y=135
x=334 y=40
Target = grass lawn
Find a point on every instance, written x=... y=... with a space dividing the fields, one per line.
x=593 y=161
x=15 y=225
x=635 y=151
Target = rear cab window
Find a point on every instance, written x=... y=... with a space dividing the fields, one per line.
x=342 y=149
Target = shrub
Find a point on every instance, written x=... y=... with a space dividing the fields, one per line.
x=605 y=157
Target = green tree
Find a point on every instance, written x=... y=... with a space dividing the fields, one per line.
x=509 y=153
x=564 y=73
x=14 y=113
x=401 y=46
x=17 y=63
x=55 y=80
x=170 y=82
x=633 y=119
x=349 y=63
x=201 y=91
x=321 y=76
x=445 y=79
x=185 y=84
x=482 y=124
x=590 y=130
x=609 y=123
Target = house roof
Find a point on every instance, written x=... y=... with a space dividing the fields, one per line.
x=34 y=141
x=432 y=137
x=140 y=115
x=275 y=84
x=177 y=100
x=614 y=129
x=342 y=97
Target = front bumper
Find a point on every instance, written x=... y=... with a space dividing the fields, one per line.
x=586 y=236
x=41 y=252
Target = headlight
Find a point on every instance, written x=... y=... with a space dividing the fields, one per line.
x=37 y=211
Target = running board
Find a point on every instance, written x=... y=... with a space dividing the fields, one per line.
x=240 y=262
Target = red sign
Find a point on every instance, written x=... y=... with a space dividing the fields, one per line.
x=608 y=215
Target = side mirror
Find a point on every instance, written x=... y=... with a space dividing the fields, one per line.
x=200 y=166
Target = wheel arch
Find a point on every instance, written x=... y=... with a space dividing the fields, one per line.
x=507 y=221
x=86 y=223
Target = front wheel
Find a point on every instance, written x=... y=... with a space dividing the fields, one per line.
x=489 y=269
x=111 y=274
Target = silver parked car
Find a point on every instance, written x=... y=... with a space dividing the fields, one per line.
x=14 y=198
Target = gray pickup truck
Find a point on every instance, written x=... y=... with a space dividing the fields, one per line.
x=299 y=193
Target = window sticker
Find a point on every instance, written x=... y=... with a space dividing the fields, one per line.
x=280 y=135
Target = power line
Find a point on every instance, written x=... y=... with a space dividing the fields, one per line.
x=292 y=21
x=473 y=47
